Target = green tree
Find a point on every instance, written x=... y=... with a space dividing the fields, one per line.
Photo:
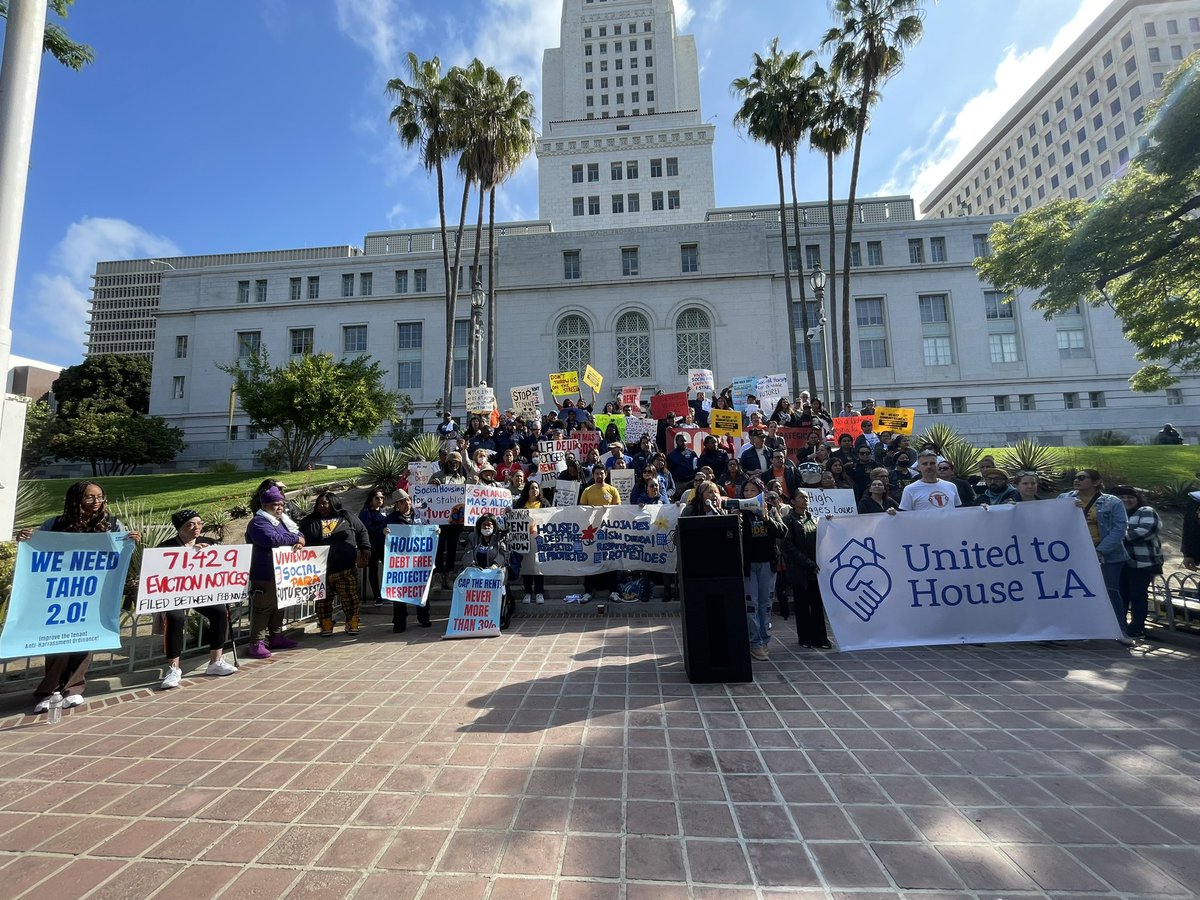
x=115 y=442
x=39 y=428
x=1136 y=248
x=56 y=42
x=313 y=401
x=768 y=113
x=110 y=382
x=868 y=48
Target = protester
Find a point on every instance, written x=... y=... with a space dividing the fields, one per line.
x=402 y=514
x=85 y=511
x=1027 y=486
x=1144 y=546
x=600 y=493
x=266 y=531
x=349 y=543
x=756 y=458
x=188 y=526
x=1168 y=435
x=446 y=558
x=841 y=479
x=1107 y=523
x=682 y=463
x=535 y=585
x=374 y=518
x=760 y=530
x=486 y=549
x=1189 y=543
x=948 y=472
x=800 y=548
x=706 y=501
x=732 y=479
x=876 y=499
x=930 y=492
x=997 y=490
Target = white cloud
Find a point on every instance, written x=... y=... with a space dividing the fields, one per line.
x=379 y=26
x=1015 y=74
x=60 y=295
x=684 y=13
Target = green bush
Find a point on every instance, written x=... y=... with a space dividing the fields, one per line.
x=384 y=466
x=1107 y=438
x=224 y=467
x=423 y=447
x=1173 y=495
x=1030 y=456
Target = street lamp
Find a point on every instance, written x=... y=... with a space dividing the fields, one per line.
x=162 y=263
x=817 y=280
x=477 y=301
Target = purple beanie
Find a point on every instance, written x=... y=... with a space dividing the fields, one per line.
x=271 y=495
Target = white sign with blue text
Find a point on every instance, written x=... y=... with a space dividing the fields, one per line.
x=1019 y=572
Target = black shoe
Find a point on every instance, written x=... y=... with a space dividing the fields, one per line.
x=825 y=646
x=424 y=623
x=399 y=629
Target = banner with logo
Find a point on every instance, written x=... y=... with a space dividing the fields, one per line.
x=1019 y=572
x=898 y=420
x=408 y=563
x=183 y=577
x=481 y=399
x=66 y=594
x=592 y=378
x=700 y=380
x=439 y=504
x=475 y=603
x=631 y=396
x=585 y=540
x=480 y=499
x=833 y=502
x=527 y=399
x=564 y=383
x=299 y=574
x=725 y=422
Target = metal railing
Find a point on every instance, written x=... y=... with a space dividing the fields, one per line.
x=1175 y=601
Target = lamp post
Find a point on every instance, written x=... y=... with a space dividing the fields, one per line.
x=477 y=301
x=817 y=280
x=162 y=263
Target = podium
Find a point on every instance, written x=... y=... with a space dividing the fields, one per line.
x=716 y=639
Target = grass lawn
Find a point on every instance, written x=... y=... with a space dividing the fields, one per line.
x=168 y=493
x=1145 y=466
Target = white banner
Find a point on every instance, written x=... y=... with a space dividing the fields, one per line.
x=438 y=503
x=584 y=540
x=837 y=502
x=182 y=577
x=1019 y=572
x=299 y=574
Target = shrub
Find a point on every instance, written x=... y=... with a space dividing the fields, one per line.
x=1107 y=438
x=1173 y=495
x=423 y=447
x=965 y=457
x=215 y=520
x=1030 y=456
x=384 y=466
x=31 y=496
x=224 y=467
x=273 y=457
x=937 y=437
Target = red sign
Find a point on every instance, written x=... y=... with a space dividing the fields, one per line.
x=696 y=438
x=851 y=425
x=661 y=404
x=587 y=440
x=795 y=438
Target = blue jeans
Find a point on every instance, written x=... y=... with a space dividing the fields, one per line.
x=758 y=603
x=1112 y=583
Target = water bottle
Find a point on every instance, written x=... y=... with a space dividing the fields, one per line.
x=54 y=716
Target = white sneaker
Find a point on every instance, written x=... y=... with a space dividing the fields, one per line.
x=42 y=706
x=73 y=700
x=174 y=676
x=220 y=667
x=539 y=599
x=586 y=598
x=614 y=597
x=527 y=599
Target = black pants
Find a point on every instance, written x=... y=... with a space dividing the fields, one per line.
x=810 y=611
x=218 y=628
x=400 y=615
x=373 y=590
x=535 y=584
x=604 y=582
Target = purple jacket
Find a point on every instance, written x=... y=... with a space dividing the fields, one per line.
x=264 y=536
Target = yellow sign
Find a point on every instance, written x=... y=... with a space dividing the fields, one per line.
x=725 y=422
x=593 y=379
x=897 y=420
x=564 y=383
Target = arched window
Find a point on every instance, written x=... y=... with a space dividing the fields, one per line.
x=574 y=343
x=633 y=346
x=693 y=340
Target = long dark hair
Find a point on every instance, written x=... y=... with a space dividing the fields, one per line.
x=524 y=498
x=75 y=518
x=334 y=503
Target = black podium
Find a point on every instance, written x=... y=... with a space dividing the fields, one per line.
x=716 y=641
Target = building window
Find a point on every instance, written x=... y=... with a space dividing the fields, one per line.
x=916 y=251
x=1028 y=402
x=693 y=341
x=874 y=253
x=937 y=249
x=1072 y=344
x=631 y=167
x=1071 y=401
x=958 y=405
x=868 y=311
x=181 y=346
x=294 y=288
x=1096 y=399
x=462 y=336
x=689 y=259
x=177 y=387
x=574 y=343
x=594 y=205
x=672 y=199
x=933 y=406
x=243 y=292
x=420 y=281
x=314 y=287
x=347 y=285
x=629 y=260
x=260 y=291
x=409 y=342
x=401 y=281
x=1000 y=403
x=616 y=171
x=634 y=203
x=618 y=203
x=577 y=206
x=248 y=344
x=1003 y=347
x=672 y=165
x=855 y=254
x=656 y=201
x=577 y=171
x=301 y=341
x=593 y=172
x=354 y=339
x=812 y=255
x=980 y=245
x=571 y=268
x=873 y=353
x=366 y=283
x=994 y=306
x=633 y=346
x=936 y=351
x=933 y=308
x=656 y=168
x=1174 y=396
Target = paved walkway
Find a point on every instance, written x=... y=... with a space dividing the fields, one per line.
x=568 y=760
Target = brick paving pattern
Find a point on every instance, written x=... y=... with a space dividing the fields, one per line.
x=572 y=759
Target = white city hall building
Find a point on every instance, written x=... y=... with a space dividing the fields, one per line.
x=644 y=292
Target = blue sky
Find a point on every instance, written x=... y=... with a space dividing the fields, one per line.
x=236 y=125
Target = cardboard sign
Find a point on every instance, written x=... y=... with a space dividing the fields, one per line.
x=587 y=441
x=527 y=399
x=481 y=399
x=794 y=438
x=552 y=455
x=700 y=380
x=835 y=502
x=183 y=577
x=299 y=574
x=479 y=499
x=622 y=480
x=635 y=428
x=592 y=378
x=898 y=420
x=475 y=605
x=408 y=552
x=725 y=422
x=661 y=404
x=851 y=425
x=742 y=388
x=516 y=523
x=632 y=397
x=439 y=504
x=564 y=383
x=770 y=390
x=566 y=493
x=603 y=421
x=420 y=471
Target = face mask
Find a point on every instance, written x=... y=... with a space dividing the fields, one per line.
x=486 y=532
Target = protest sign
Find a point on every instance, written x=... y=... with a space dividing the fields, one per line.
x=622 y=480
x=700 y=380
x=516 y=523
x=585 y=540
x=898 y=420
x=66 y=594
x=661 y=404
x=794 y=438
x=592 y=379
x=552 y=455
x=770 y=390
x=564 y=383
x=480 y=499
x=742 y=388
x=587 y=441
x=603 y=421
x=439 y=504
x=475 y=604
x=725 y=422
x=527 y=399
x=835 y=502
x=566 y=493
x=299 y=574
x=420 y=471
x=1017 y=572
x=635 y=428
x=183 y=577
x=408 y=552
x=632 y=397
x=851 y=425
x=481 y=399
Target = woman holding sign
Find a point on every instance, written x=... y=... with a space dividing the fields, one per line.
x=266 y=531
x=85 y=511
x=349 y=550
x=188 y=525
x=486 y=550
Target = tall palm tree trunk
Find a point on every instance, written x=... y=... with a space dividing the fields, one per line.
x=474 y=370
x=491 y=290
x=790 y=334
x=808 y=357
x=452 y=292
x=448 y=375
x=831 y=282
x=848 y=378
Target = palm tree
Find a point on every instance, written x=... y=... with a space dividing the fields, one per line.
x=766 y=113
x=868 y=48
x=835 y=120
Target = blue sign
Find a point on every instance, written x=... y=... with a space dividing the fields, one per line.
x=408 y=552
x=66 y=596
